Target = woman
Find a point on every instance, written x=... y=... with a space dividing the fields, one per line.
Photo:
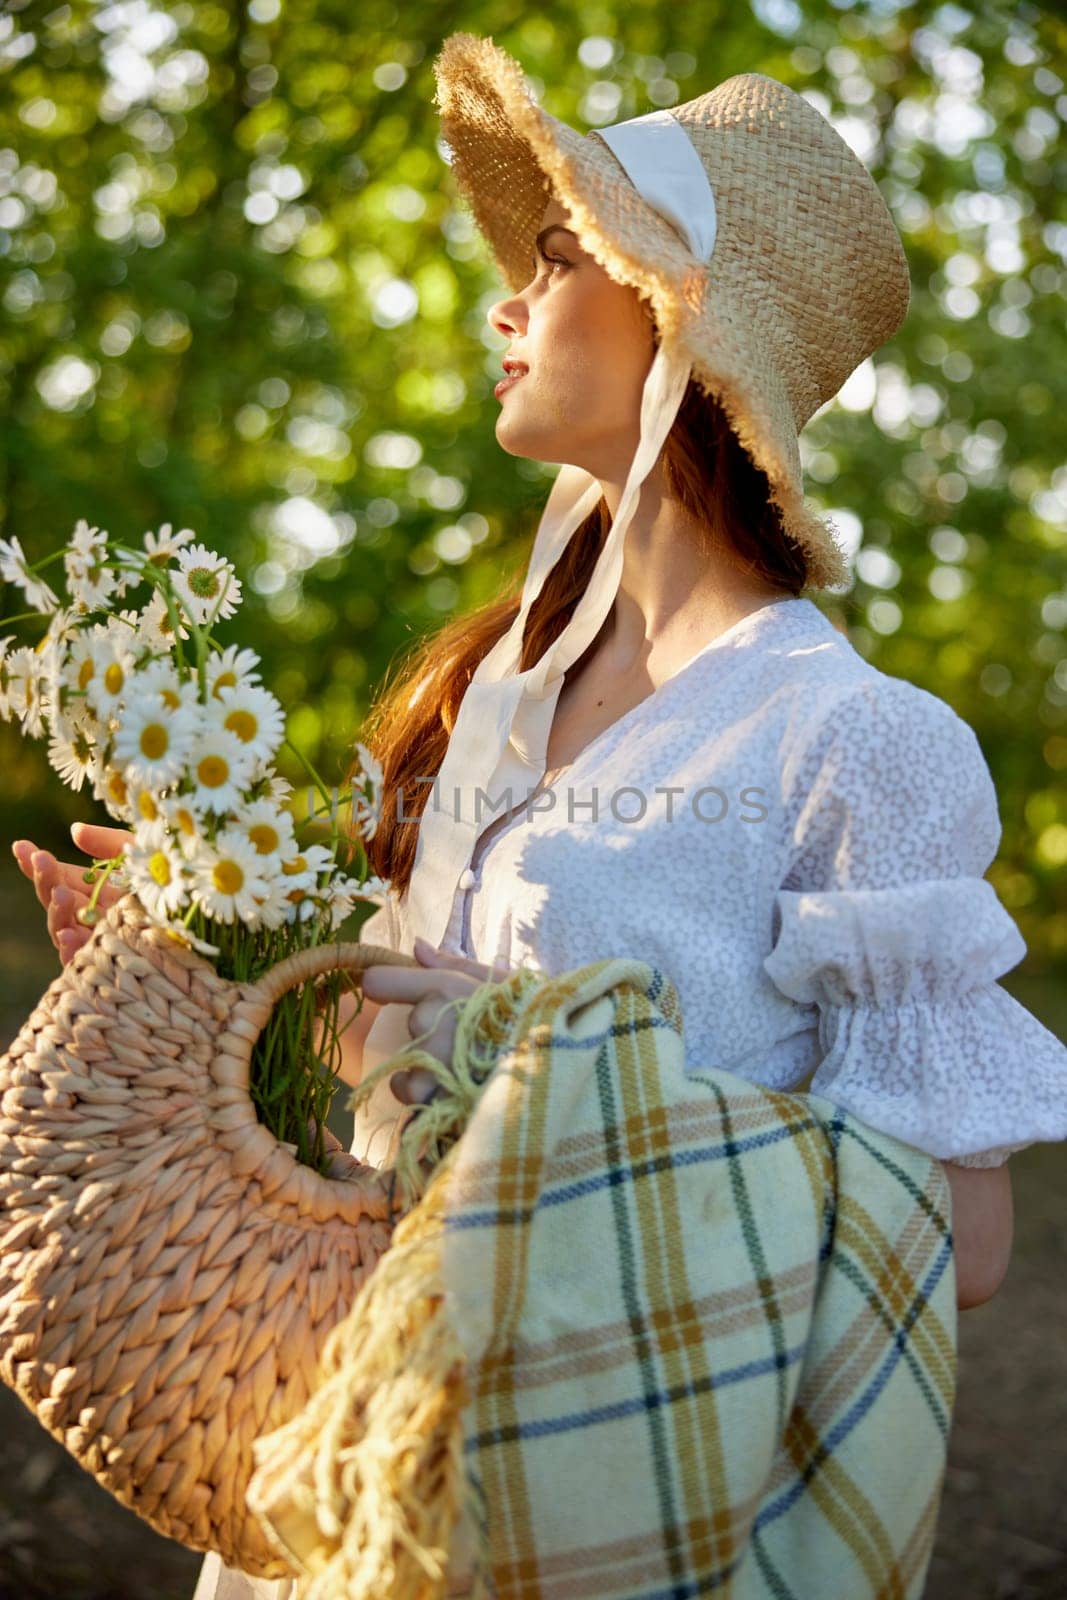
x=663 y=606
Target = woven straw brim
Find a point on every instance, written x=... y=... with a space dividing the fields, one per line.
x=807 y=278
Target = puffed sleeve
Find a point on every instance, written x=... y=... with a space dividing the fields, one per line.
x=888 y=929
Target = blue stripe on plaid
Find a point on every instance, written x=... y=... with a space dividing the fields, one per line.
x=679 y=1158
x=627 y=1408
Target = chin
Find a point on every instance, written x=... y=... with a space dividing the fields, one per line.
x=518 y=441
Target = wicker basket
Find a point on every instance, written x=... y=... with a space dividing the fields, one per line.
x=169 y=1273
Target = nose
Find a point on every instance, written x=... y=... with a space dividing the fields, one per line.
x=508 y=316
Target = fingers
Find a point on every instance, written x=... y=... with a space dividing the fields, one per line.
x=100 y=842
x=414 y=1086
x=408 y=985
x=70 y=940
x=45 y=872
x=63 y=911
x=61 y=890
x=431 y=956
x=345 y=1167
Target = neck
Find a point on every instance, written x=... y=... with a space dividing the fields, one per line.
x=679 y=587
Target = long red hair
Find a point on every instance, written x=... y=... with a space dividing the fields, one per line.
x=408 y=726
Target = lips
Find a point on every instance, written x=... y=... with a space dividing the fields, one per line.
x=513 y=372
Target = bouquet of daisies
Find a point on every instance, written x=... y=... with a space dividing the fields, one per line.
x=176 y=736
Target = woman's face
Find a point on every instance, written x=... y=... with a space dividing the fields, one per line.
x=587 y=343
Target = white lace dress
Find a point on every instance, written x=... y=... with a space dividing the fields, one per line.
x=799 y=841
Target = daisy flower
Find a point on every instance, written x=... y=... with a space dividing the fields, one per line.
x=161 y=677
x=88 y=544
x=182 y=935
x=14 y=568
x=113 y=666
x=342 y=895
x=145 y=803
x=64 y=626
x=363 y=810
x=185 y=818
x=219 y=767
x=229 y=668
x=253 y=714
x=90 y=581
x=301 y=873
x=49 y=651
x=90 y=588
x=6 y=707
x=273 y=907
x=206 y=584
x=80 y=663
x=72 y=757
x=152 y=741
x=24 y=689
x=154 y=625
x=162 y=546
x=269 y=832
x=228 y=878
x=110 y=787
x=156 y=869
x=369 y=765
x=278 y=789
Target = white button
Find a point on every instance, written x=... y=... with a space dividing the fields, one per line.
x=466 y=879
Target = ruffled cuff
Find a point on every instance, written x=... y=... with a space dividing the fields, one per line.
x=916 y=1037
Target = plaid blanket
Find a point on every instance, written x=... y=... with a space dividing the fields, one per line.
x=707 y=1329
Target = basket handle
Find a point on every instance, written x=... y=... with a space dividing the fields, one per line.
x=312 y=963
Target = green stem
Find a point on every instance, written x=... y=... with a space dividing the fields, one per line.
x=312 y=774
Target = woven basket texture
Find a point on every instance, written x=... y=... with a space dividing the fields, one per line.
x=169 y=1272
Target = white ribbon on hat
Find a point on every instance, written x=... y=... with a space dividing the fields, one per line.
x=497 y=750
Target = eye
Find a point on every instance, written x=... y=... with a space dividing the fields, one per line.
x=551 y=261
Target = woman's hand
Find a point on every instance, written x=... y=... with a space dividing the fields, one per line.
x=983 y=1228
x=61 y=886
x=450 y=977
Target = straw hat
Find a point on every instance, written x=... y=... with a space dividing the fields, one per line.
x=773 y=268
x=806 y=278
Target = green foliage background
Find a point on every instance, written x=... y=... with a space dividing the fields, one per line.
x=239 y=292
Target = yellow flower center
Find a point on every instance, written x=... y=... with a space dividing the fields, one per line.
x=159 y=868
x=264 y=837
x=85 y=672
x=170 y=699
x=225 y=680
x=297 y=864
x=116 y=788
x=295 y=896
x=186 y=821
x=114 y=678
x=227 y=877
x=154 y=740
x=147 y=806
x=243 y=724
x=213 y=771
